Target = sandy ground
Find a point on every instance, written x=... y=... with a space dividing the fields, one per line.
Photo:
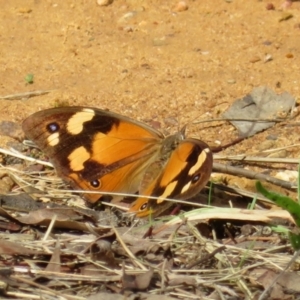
x=151 y=62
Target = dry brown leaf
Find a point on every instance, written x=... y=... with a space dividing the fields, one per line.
x=135 y=296
x=44 y=216
x=40 y=215
x=55 y=263
x=64 y=218
x=91 y=270
x=175 y=279
x=137 y=245
x=11 y=248
x=290 y=281
x=286 y=281
x=261 y=103
x=137 y=282
x=101 y=251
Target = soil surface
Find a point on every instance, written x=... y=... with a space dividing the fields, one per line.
x=149 y=61
x=160 y=63
x=152 y=62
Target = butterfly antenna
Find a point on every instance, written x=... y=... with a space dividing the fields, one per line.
x=183 y=130
x=178 y=117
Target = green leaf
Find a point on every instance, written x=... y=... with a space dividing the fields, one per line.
x=283 y=201
x=29 y=78
x=298 y=186
x=295 y=240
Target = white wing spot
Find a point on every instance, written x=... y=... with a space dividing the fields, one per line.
x=200 y=161
x=186 y=187
x=168 y=190
x=77 y=158
x=75 y=124
x=53 y=139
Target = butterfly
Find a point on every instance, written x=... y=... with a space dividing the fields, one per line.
x=98 y=150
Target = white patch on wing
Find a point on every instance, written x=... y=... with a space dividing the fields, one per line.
x=201 y=159
x=77 y=158
x=169 y=189
x=53 y=139
x=76 y=122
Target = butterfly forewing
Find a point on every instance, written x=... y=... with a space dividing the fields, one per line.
x=94 y=149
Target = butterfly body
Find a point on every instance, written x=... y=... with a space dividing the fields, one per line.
x=97 y=150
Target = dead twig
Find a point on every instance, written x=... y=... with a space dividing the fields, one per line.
x=25 y=95
x=217 y=167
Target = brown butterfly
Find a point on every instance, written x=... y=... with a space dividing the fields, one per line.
x=97 y=150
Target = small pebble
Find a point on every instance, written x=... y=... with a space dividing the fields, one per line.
x=143 y=23
x=286 y=4
x=104 y=2
x=159 y=41
x=255 y=59
x=180 y=6
x=155 y=124
x=297 y=26
x=268 y=57
x=204 y=52
x=128 y=29
x=25 y=10
x=270 y=6
x=186 y=72
x=289 y=55
x=287 y=175
x=267 y=43
x=266 y=231
x=171 y=121
x=285 y=16
x=127 y=16
x=231 y=81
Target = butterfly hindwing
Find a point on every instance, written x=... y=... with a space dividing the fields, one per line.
x=185 y=173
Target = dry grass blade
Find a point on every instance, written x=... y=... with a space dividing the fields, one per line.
x=46 y=290
x=184 y=259
x=24 y=157
x=266 y=216
x=25 y=95
x=278 y=120
x=130 y=254
x=250 y=158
